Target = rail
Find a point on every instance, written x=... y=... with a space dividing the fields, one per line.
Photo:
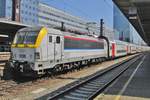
x=91 y=87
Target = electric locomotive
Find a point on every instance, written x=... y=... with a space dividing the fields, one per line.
x=38 y=50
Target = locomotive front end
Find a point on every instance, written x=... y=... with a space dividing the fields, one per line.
x=25 y=51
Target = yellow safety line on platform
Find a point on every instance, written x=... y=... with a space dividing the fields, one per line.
x=129 y=80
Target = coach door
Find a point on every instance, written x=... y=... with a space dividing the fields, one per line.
x=50 y=51
x=113 y=50
x=58 y=48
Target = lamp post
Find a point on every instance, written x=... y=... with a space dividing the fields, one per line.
x=101 y=27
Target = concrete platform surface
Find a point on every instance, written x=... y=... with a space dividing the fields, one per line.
x=134 y=84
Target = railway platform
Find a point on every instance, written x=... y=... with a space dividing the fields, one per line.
x=4 y=57
x=134 y=84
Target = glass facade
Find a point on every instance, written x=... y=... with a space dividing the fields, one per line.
x=2 y=8
x=29 y=12
x=6 y=9
x=121 y=26
x=124 y=30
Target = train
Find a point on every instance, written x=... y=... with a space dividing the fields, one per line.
x=36 y=51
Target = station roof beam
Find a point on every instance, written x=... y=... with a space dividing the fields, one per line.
x=9 y=27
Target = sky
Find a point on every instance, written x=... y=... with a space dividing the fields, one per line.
x=90 y=10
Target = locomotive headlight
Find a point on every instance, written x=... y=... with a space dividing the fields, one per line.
x=37 y=55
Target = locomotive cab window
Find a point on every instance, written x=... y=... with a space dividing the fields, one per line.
x=26 y=36
x=50 y=38
x=57 y=39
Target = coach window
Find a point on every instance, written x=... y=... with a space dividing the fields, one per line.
x=57 y=39
x=50 y=38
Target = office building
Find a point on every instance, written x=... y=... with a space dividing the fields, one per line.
x=50 y=16
x=6 y=9
x=29 y=12
x=33 y=12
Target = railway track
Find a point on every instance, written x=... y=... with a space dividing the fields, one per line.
x=91 y=87
x=12 y=86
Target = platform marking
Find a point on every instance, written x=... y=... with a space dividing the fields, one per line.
x=129 y=80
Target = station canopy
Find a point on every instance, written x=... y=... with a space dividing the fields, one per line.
x=10 y=27
x=138 y=13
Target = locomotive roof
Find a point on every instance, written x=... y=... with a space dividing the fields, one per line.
x=54 y=31
x=78 y=35
x=62 y=33
x=31 y=29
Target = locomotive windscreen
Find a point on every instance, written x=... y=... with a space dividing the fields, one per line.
x=26 y=36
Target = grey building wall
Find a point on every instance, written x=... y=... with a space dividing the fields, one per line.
x=50 y=16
